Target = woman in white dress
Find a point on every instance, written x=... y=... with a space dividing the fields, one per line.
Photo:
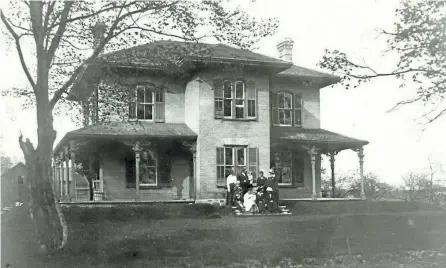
x=250 y=201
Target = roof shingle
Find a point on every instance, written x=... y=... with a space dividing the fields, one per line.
x=135 y=129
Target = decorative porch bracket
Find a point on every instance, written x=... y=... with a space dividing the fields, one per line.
x=192 y=146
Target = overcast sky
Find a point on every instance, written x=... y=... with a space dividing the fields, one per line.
x=397 y=144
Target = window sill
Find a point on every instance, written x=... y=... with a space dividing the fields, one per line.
x=147 y=187
x=236 y=119
x=276 y=125
x=143 y=120
x=297 y=185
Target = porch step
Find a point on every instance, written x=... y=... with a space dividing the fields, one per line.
x=284 y=211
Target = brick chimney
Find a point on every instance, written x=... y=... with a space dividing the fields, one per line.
x=98 y=31
x=285 y=49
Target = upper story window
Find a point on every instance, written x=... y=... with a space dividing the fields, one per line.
x=286 y=109
x=235 y=99
x=148 y=105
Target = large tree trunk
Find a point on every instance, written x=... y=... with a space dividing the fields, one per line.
x=45 y=211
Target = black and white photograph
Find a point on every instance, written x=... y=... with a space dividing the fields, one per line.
x=223 y=133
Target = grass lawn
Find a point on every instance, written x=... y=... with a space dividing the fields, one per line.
x=225 y=241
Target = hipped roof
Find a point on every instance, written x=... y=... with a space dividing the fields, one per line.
x=159 y=54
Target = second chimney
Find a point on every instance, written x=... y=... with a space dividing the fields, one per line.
x=285 y=49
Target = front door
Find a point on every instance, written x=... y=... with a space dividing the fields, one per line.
x=180 y=175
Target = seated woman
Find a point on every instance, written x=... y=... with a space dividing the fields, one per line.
x=238 y=198
x=250 y=201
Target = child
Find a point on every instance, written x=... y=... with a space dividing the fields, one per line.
x=273 y=207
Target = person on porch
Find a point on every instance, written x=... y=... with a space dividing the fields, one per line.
x=261 y=180
x=231 y=181
x=272 y=182
x=238 y=197
x=273 y=206
x=261 y=199
x=244 y=181
x=250 y=201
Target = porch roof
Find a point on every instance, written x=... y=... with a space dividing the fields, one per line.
x=131 y=129
x=309 y=136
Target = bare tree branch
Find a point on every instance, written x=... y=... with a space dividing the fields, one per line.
x=60 y=31
x=57 y=95
x=19 y=49
x=401 y=103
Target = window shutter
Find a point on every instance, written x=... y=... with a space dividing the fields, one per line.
x=218 y=98
x=132 y=110
x=274 y=109
x=297 y=105
x=220 y=168
x=253 y=161
x=251 y=100
x=159 y=106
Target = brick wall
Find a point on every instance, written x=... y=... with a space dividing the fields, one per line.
x=310 y=100
x=213 y=133
x=174 y=97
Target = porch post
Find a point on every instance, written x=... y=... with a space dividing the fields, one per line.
x=72 y=182
x=361 y=170
x=194 y=171
x=313 y=153
x=137 y=150
x=56 y=177
x=67 y=172
x=62 y=173
x=193 y=149
x=332 y=165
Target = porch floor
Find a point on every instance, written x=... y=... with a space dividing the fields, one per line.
x=321 y=199
x=124 y=202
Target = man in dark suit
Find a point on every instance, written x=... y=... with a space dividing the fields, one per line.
x=244 y=181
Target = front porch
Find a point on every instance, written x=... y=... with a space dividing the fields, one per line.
x=310 y=145
x=104 y=164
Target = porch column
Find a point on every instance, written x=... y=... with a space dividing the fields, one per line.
x=137 y=150
x=332 y=165
x=71 y=181
x=56 y=177
x=62 y=173
x=193 y=149
x=194 y=171
x=313 y=152
x=67 y=172
x=361 y=170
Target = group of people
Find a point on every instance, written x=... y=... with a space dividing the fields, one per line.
x=259 y=196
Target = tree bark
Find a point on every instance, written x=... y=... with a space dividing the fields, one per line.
x=45 y=211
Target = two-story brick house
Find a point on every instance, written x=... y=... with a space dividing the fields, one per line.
x=180 y=137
